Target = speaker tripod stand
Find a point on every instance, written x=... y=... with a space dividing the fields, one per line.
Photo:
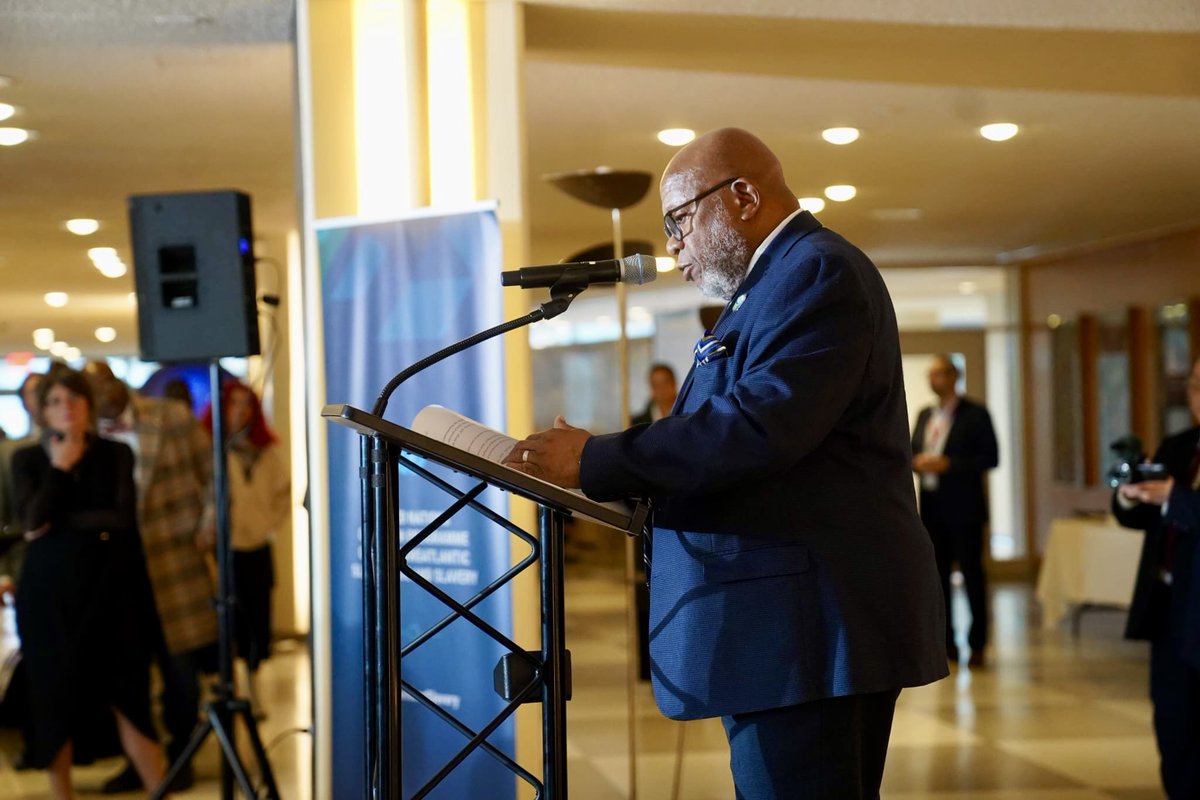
x=222 y=713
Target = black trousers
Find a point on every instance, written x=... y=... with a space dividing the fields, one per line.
x=253 y=579
x=831 y=749
x=959 y=542
x=180 y=695
x=1175 y=692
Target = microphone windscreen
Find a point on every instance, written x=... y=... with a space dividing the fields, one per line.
x=638 y=269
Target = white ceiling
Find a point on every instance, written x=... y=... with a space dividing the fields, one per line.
x=140 y=96
x=131 y=96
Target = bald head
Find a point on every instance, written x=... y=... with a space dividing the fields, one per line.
x=725 y=153
x=734 y=153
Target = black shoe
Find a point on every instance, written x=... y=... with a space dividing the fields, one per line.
x=126 y=780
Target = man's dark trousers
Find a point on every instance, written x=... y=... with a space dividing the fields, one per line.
x=831 y=749
x=1175 y=691
x=962 y=543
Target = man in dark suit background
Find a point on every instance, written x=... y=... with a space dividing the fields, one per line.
x=663 y=391
x=954 y=446
x=1166 y=601
x=793 y=589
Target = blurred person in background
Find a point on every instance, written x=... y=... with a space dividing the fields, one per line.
x=178 y=390
x=83 y=598
x=662 y=394
x=259 y=497
x=173 y=472
x=10 y=528
x=663 y=390
x=954 y=445
x=13 y=693
x=1166 y=598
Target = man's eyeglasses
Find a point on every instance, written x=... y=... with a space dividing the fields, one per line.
x=674 y=227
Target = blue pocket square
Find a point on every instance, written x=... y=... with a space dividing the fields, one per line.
x=709 y=348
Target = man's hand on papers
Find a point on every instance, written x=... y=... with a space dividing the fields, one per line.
x=551 y=455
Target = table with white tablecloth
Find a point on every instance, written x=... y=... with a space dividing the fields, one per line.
x=1088 y=562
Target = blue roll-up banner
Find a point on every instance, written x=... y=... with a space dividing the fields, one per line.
x=394 y=292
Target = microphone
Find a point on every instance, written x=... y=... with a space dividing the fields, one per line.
x=636 y=269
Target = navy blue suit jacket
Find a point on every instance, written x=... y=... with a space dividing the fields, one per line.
x=1181 y=618
x=788 y=560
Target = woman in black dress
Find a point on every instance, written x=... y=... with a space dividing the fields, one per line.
x=84 y=609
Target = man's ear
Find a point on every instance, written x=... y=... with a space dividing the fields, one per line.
x=747 y=197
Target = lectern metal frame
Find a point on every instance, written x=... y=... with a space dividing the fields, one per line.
x=524 y=676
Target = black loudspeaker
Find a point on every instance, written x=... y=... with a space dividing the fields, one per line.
x=193 y=259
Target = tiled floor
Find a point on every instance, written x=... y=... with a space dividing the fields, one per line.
x=1051 y=718
x=285 y=684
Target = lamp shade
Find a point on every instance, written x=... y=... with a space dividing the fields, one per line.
x=602 y=187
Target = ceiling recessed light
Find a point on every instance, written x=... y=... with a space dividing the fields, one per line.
x=82 y=226
x=71 y=354
x=107 y=261
x=676 y=137
x=10 y=137
x=43 y=338
x=58 y=348
x=814 y=204
x=840 y=192
x=56 y=299
x=664 y=263
x=7 y=110
x=840 y=135
x=999 y=131
x=106 y=334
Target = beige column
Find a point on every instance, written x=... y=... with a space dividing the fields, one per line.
x=406 y=103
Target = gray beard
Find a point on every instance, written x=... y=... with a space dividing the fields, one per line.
x=724 y=266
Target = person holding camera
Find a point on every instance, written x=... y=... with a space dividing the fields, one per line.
x=1166 y=601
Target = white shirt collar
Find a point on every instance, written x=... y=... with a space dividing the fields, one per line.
x=770 y=238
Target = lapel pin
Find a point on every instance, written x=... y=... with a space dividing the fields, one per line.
x=738 y=303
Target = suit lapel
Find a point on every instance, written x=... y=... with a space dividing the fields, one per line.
x=800 y=226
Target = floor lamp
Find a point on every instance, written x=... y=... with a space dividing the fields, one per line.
x=615 y=190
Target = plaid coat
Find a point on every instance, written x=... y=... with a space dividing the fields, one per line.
x=174 y=481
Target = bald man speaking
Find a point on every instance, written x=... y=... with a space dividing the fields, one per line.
x=793 y=589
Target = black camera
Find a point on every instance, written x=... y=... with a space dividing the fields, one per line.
x=1130 y=466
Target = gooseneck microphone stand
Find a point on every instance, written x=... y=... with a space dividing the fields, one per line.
x=222 y=713
x=565 y=289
